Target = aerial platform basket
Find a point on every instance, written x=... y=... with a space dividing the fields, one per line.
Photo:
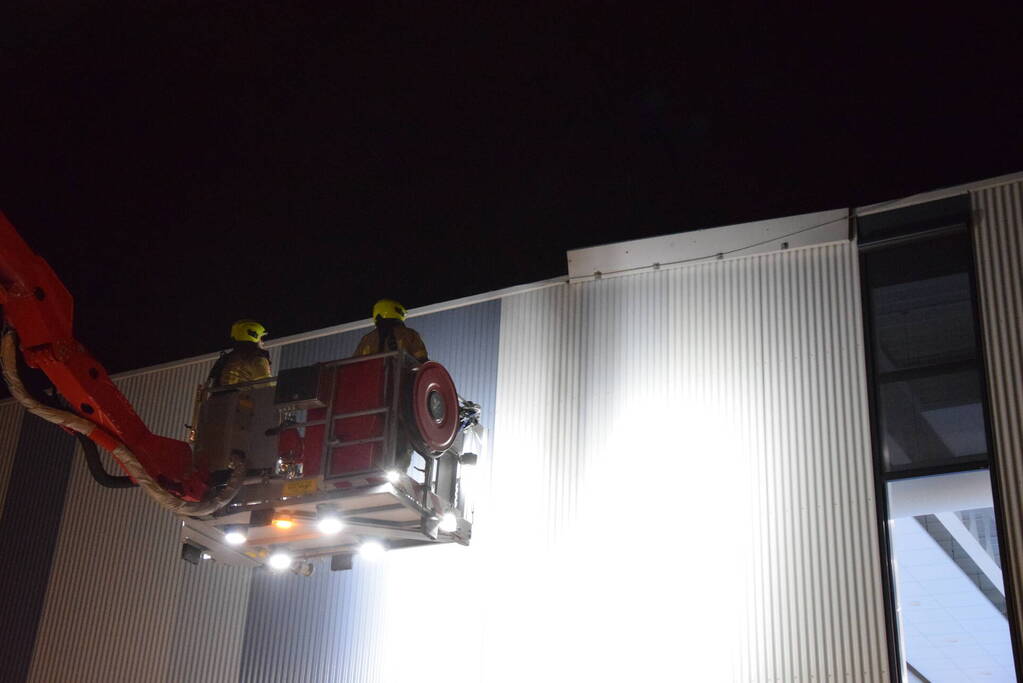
x=358 y=453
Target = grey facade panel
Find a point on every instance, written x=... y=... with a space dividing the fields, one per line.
x=209 y=623
x=465 y=341
x=28 y=532
x=998 y=233
x=320 y=628
x=10 y=428
x=320 y=349
x=683 y=457
x=121 y=605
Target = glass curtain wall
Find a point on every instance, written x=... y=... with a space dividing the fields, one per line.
x=932 y=446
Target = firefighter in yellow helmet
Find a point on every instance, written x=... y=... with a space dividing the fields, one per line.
x=390 y=333
x=247 y=360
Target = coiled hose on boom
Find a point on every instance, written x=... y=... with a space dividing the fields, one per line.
x=80 y=425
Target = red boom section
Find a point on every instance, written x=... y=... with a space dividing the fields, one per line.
x=37 y=304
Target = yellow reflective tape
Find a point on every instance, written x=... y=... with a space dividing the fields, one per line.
x=300 y=487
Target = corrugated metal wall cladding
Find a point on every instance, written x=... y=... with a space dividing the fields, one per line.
x=121 y=605
x=28 y=530
x=711 y=419
x=998 y=234
x=321 y=629
x=822 y=566
x=370 y=623
x=680 y=482
x=10 y=428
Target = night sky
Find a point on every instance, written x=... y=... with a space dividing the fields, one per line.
x=184 y=164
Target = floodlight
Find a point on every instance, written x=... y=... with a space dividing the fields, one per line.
x=448 y=522
x=372 y=550
x=330 y=525
x=234 y=536
x=279 y=561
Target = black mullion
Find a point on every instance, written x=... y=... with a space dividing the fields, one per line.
x=901 y=240
x=966 y=466
x=926 y=371
x=880 y=485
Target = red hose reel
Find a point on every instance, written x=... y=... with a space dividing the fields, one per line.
x=432 y=409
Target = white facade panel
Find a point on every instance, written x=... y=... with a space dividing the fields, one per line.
x=682 y=479
x=746 y=239
x=121 y=605
x=998 y=233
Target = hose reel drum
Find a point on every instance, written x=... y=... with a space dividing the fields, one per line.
x=431 y=409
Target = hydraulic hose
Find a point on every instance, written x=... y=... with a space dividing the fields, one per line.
x=96 y=469
x=80 y=425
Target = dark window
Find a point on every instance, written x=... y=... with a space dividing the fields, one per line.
x=913 y=220
x=929 y=396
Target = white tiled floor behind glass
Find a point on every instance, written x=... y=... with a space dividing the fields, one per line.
x=951 y=630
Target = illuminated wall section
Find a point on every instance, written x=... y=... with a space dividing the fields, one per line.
x=682 y=479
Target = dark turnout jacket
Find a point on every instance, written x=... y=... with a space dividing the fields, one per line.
x=391 y=335
x=245 y=362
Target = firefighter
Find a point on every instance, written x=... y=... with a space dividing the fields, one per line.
x=247 y=360
x=390 y=333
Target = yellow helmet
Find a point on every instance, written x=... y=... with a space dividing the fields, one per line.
x=247 y=330
x=388 y=308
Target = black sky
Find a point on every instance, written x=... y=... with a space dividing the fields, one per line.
x=184 y=164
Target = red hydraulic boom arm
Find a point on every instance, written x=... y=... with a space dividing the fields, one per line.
x=40 y=308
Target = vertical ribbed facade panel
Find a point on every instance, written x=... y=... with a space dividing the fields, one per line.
x=678 y=487
x=682 y=481
x=319 y=349
x=998 y=235
x=10 y=427
x=28 y=530
x=389 y=621
x=121 y=605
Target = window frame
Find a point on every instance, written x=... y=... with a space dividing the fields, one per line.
x=955 y=221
